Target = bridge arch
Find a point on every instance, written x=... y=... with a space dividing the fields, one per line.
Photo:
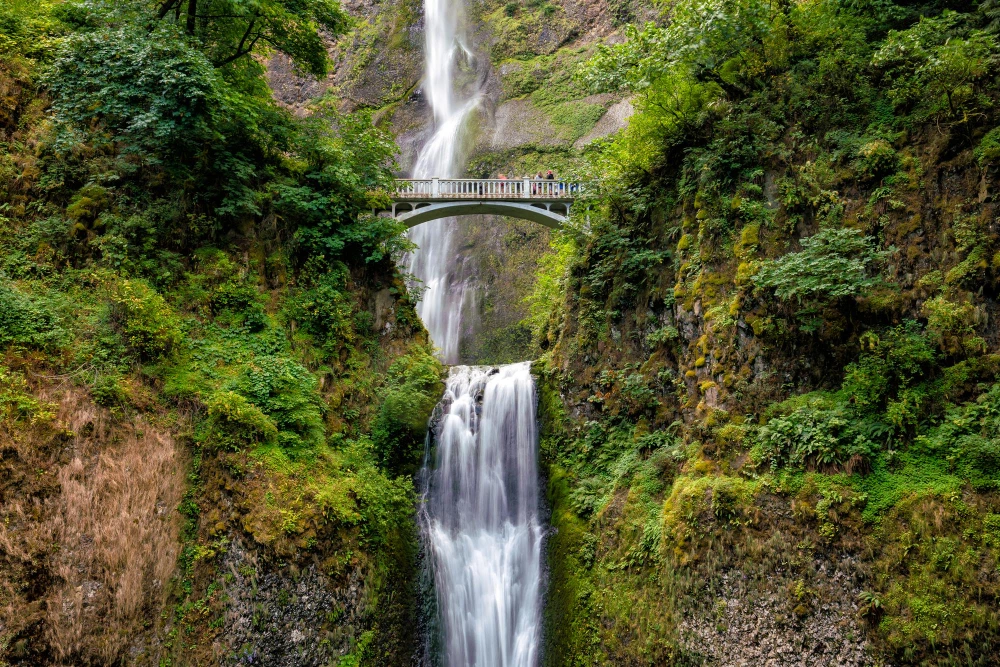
x=552 y=216
x=546 y=202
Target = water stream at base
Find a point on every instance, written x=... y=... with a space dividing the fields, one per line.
x=481 y=520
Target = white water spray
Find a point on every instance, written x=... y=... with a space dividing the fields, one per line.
x=442 y=304
x=481 y=519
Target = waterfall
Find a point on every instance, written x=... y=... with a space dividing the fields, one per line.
x=431 y=263
x=480 y=518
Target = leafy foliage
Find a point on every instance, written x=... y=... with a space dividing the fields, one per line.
x=969 y=438
x=344 y=173
x=935 y=70
x=414 y=389
x=287 y=393
x=895 y=374
x=229 y=31
x=832 y=264
x=28 y=322
x=234 y=422
x=145 y=321
x=819 y=432
x=184 y=106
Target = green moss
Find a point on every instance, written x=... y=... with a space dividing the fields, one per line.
x=146 y=322
x=930 y=552
x=522 y=28
x=570 y=628
x=574 y=119
x=988 y=151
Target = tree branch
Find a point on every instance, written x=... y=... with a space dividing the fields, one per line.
x=240 y=52
x=166 y=7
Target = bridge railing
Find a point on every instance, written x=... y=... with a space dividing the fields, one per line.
x=485 y=188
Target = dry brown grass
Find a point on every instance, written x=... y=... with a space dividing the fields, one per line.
x=91 y=524
x=117 y=530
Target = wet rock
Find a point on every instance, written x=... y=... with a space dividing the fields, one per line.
x=282 y=617
x=761 y=624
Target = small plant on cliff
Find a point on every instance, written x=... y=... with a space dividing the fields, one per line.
x=832 y=264
x=234 y=422
x=818 y=431
x=893 y=380
x=146 y=323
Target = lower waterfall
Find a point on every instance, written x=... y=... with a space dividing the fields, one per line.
x=481 y=519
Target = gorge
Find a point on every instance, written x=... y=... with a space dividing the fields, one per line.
x=739 y=406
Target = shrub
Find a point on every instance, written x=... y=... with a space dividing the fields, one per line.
x=324 y=311
x=242 y=302
x=969 y=438
x=27 y=322
x=663 y=335
x=288 y=394
x=935 y=70
x=952 y=325
x=876 y=159
x=17 y=403
x=832 y=264
x=145 y=321
x=988 y=150
x=234 y=422
x=818 y=432
x=108 y=391
x=413 y=390
x=891 y=370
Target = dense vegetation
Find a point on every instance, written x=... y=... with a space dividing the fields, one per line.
x=192 y=280
x=768 y=342
x=772 y=354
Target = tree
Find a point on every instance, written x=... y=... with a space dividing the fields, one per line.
x=230 y=30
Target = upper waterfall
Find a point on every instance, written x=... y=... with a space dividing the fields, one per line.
x=431 y=262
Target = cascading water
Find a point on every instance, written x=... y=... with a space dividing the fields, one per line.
x=481 y=518
x=443 y=301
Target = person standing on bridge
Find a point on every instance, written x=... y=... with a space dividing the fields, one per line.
x=535 y=186
x=503 y=186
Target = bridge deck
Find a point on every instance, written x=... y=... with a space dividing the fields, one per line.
x=457 y=189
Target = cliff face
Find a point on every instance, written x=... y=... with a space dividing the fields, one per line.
x=771 y=371
x=129 y=534
x=680 y=536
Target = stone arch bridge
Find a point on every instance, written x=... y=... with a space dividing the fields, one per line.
x=546 y=202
